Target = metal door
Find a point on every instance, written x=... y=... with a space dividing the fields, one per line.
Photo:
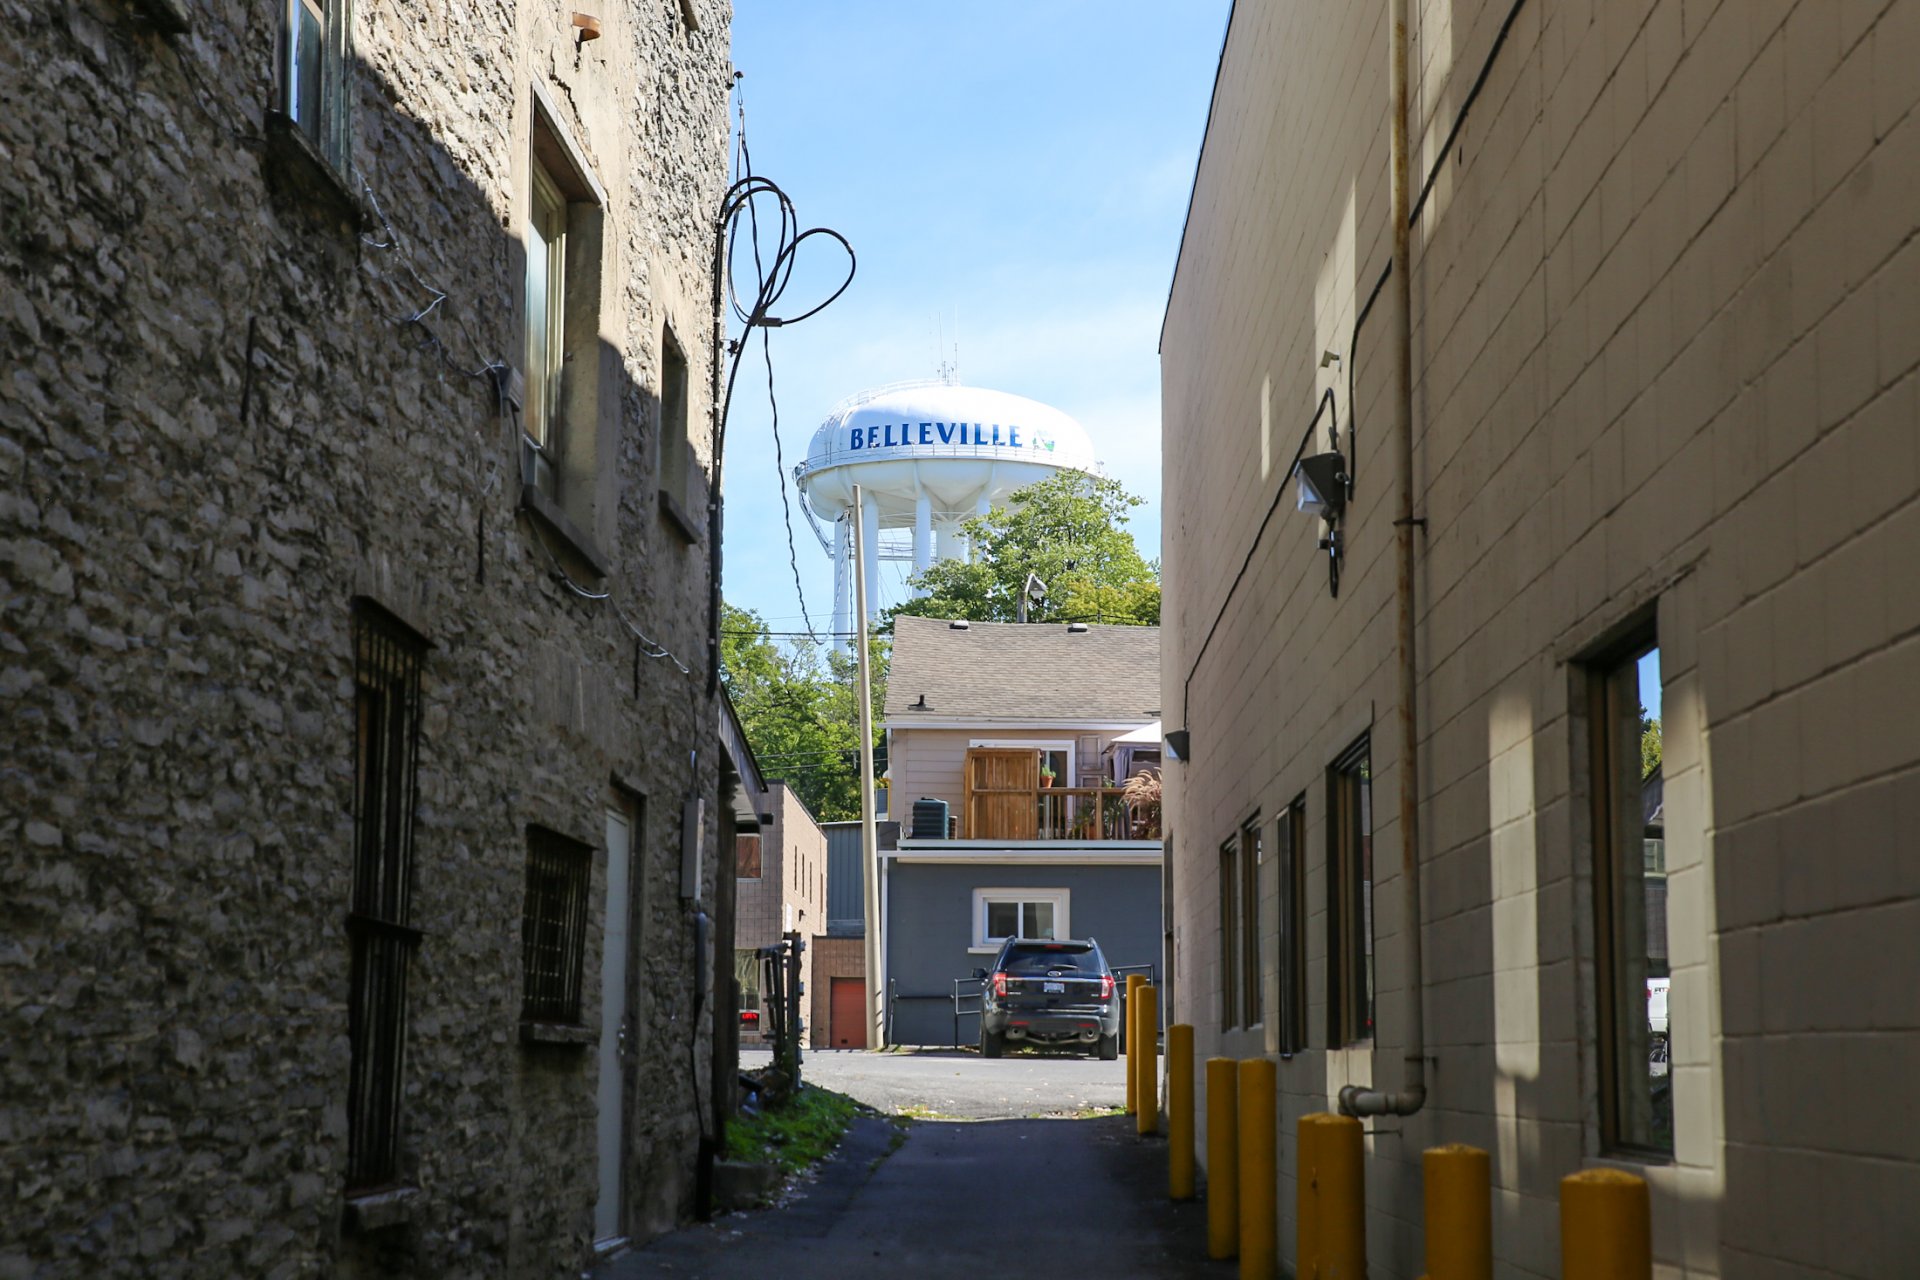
x=847 y=1015
x=613 y=1035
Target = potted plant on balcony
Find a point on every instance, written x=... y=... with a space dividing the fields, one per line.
x=1046 y=776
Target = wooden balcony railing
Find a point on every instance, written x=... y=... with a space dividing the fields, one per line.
x=1056 y=813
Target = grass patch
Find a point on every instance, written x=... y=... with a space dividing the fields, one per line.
x=914 y=1111
x=801 y=1132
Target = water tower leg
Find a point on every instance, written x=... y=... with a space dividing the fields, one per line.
x=870 y=552
x=842 y=588
x=947 y=541
x=922 y=535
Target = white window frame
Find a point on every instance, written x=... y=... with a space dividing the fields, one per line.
x=1060 y=898
x=1037 y=744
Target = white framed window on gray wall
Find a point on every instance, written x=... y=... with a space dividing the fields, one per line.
x=999 y=914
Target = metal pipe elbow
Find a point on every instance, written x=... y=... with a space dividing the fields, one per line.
x=1356 y=1101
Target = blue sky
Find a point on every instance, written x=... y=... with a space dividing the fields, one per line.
x=1013 y=176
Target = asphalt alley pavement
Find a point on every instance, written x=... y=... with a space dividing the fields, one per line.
x=1011 y=1198
x=956 y=1084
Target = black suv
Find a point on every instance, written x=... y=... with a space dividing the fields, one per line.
x=1048 y=991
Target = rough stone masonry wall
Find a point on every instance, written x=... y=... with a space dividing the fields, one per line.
x=213 y=434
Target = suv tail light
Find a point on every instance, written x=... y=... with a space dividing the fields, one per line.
x=1106 y=986
x=1000 y=983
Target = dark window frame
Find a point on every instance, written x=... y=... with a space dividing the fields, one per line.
x=1351 y=989
x=1621 y=1033
x=553 y=928
x=321 y=112
x=388 y=661
x=1252 y=849
x=1230 y=889
x=1290 y=937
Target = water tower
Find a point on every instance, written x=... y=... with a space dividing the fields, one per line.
x=927 y=456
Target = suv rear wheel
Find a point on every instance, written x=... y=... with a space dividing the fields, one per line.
x=991 y=1044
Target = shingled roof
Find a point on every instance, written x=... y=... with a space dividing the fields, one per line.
x=1037 y=673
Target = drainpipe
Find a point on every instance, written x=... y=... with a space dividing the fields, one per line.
x=1355 y=1101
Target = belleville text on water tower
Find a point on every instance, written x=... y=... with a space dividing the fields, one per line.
x=927 y=456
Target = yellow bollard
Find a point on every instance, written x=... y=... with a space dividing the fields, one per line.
x=1146 y=1103
x=1306 y=1193
x=1223 y=1157
x=1332 y=1198
x=1134 y=982
x=1180 y=1111
x=1604 y=1228
x=1459 y=1204
x=1259 y=1171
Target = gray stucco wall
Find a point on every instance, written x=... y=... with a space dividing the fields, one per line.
x=930 y=927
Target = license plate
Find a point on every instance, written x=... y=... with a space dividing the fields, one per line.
x=1051 y=987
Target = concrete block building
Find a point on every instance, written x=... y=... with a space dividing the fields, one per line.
x=360 y=793
x=1663 y=520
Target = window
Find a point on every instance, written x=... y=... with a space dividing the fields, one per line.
x=561 y=433
x=546 y=317
x=1251 y=856
x=676 y=444
x=746 y=971
x=746 y=857
x=1230 y=889
x=1630 y=897
x=553 y=927
x=1350 y=898
x=386 y=694
x=1290 y=835
x=999 y=914
x=314 y=46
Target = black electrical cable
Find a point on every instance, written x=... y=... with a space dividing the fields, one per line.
x=771 y=280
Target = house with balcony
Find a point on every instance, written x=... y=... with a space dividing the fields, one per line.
x=1010 y=747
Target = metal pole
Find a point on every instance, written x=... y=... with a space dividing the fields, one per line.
x=869 y=833
x=1412 y=1095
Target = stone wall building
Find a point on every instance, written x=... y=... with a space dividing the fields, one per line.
x=356 y=565
x=1663 y=374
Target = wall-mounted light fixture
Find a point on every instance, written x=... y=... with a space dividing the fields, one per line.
x=1176 y=740
x=1323 y=492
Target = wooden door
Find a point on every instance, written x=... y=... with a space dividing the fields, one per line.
x=1003 y=793
x=847 y=1013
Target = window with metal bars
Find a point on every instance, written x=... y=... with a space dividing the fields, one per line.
x=388 y=656
x=553 y=930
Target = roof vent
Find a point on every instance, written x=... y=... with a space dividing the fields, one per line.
x=1076 y=628
x=958 y=624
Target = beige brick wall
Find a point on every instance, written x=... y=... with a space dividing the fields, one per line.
x=791 y=892
x=1665 y=333
x=832 y=958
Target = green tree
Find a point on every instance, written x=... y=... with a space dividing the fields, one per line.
x=1649 y=744
x=797 y=703
x=1069 y=531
